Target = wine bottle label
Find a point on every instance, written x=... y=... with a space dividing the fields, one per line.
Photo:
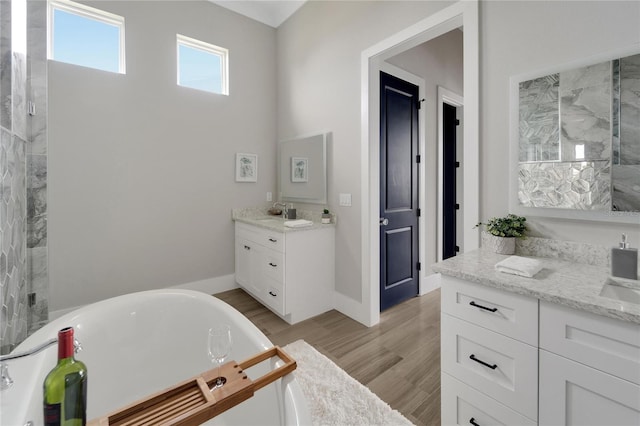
x=75 y=397
x=52 y=414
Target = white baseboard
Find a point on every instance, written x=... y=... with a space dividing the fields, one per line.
x=429 y=283
x=210 y=286
x=60 y=312
x=351 y=308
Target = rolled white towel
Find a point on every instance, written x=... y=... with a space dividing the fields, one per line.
x=298 y=223
x=522 y=266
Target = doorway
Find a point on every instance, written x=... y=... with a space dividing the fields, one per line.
x=399 y=212
x=450 y=173
x=459 y=15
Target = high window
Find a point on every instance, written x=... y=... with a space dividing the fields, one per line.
x=202 y=66
x=86 y=36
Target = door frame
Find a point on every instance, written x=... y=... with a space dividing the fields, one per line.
x=461 y=14
x=445 y=96
x=422 y=122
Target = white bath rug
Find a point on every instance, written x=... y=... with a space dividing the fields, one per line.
x=334 y=397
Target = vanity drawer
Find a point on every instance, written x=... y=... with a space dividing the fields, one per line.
x=269 y=239
x=506 y=313
x=272 y=240
x=273 y=265
x=502 y=368
x=463 y=405
x=609 y=345
x=273 y=296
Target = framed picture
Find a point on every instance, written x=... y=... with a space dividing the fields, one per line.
x=246 y=167
x=299 y=169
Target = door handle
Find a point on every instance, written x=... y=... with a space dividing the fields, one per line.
x=384 y=221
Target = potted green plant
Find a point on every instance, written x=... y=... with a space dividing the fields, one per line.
x=501 y=233
x=326 y=216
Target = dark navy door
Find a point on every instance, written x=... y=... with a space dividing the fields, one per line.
x=399 y=268
x=449 y=165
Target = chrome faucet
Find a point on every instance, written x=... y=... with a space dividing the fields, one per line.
x=285 y=212
x=5 y=380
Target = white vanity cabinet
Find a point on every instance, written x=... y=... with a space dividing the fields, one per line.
x=589 y=368
x=291 y=273
x=541 y=362
x=489 y=355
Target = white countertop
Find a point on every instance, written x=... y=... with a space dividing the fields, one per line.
x=276 y=223
x=572 y=284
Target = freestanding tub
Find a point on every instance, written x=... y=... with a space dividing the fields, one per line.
x=141 y=343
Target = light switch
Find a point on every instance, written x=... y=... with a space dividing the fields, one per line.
x=345 y=200
x=269 y=196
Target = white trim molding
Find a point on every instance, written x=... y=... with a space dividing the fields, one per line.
x=456 y=100
x=461 y=14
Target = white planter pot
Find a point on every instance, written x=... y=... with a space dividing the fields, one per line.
x=500 y=245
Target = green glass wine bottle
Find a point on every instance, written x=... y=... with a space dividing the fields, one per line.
x=65 y=387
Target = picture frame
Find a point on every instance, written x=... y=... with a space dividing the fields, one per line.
x=299 y=169
x=246 y=167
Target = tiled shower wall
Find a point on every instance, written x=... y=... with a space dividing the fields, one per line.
x=23 y=170
x=14 y=315
x=37 y=164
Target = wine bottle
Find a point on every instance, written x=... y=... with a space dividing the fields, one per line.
x=65 y=387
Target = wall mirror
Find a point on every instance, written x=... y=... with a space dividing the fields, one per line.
x=575 y=140
x=302 y=169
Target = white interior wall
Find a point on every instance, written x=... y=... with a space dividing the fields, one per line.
x=525 y=36
x=318 y=88
x=319 y=50
x=142 y=171
x=439 y=63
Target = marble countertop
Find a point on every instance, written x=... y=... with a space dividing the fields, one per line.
x=276 y=223
x=572 y=284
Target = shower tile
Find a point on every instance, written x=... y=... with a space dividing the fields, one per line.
x=38 y=279
x=37 y=201
x=37 y=71
x=19 y=95
x=580 y=185
x=630 y=110
x=589 y=76
x=539 y=119
x=585 y=120
x=5 y=64
x=626 y=188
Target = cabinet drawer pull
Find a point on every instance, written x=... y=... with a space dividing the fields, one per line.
x=472 y=303
x=472 y=420
x=247 y=248
x=273 y=240
x=473 y=357
x=273 y=294
x=272 y=264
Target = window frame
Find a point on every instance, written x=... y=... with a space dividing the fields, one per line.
x=182 y=40
x=87 y=12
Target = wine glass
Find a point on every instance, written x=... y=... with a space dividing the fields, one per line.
x=219 y=345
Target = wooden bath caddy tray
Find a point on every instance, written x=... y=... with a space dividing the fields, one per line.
x=192 y=403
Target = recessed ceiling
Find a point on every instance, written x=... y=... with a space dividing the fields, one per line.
x=268 y=12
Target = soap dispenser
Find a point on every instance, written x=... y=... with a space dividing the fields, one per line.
x=624 y=260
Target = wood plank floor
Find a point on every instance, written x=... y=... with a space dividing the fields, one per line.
x=398 y=359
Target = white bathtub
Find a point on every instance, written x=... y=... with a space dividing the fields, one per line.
x=141 y=343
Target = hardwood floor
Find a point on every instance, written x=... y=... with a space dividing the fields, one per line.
x=398 y=359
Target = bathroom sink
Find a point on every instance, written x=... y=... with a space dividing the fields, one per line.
x=621 y=289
